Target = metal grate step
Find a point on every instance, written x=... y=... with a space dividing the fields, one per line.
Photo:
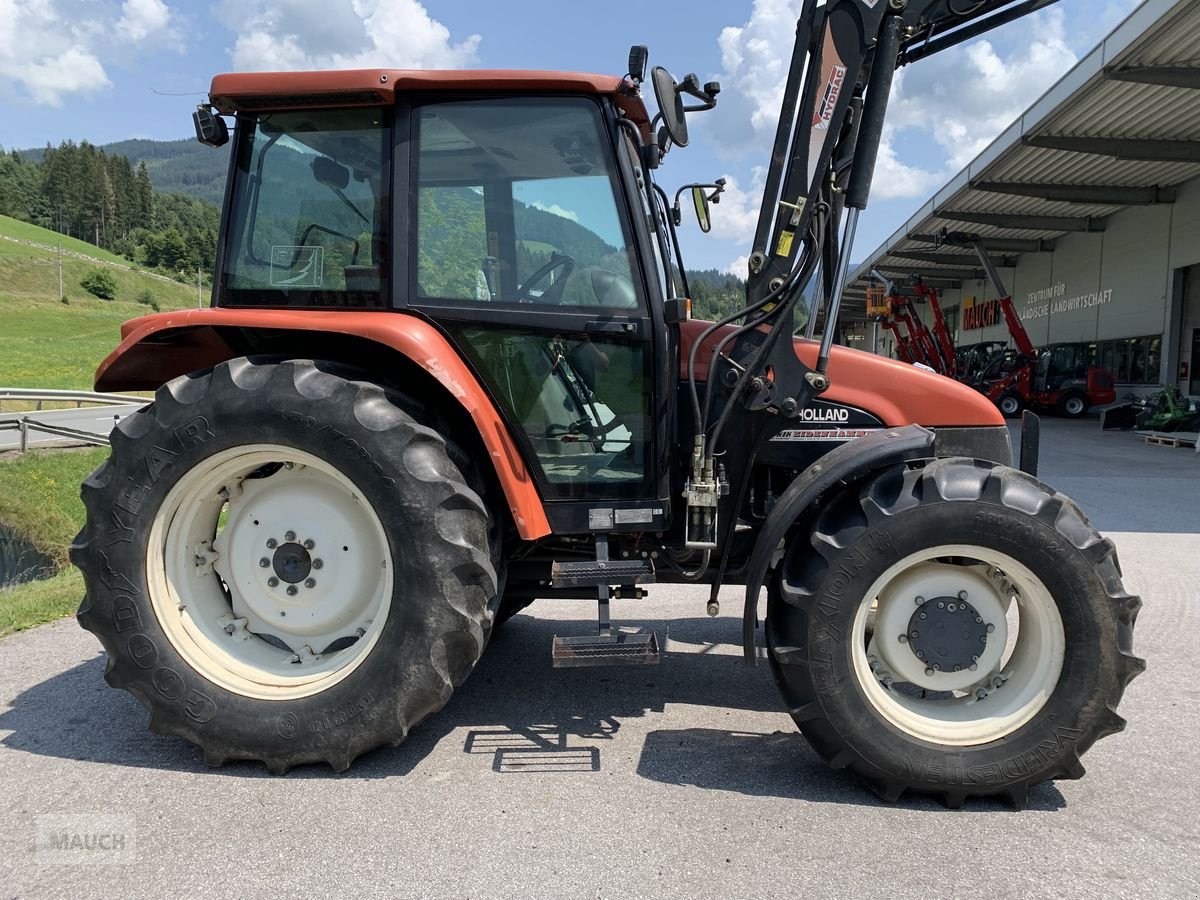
x=597 y=650
x=599 y=572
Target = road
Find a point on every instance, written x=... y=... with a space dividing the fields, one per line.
x=681 y=780
x=93 y=419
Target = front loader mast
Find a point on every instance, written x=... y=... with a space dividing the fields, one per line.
x=822 y=163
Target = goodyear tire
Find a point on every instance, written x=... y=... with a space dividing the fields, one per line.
x=284 y=565
x=982 y=572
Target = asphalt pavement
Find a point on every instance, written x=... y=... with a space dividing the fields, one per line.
x=680 y=780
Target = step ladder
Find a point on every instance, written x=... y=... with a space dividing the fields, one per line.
x=611 y=578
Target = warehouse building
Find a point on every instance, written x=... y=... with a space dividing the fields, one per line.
x=1088 y=206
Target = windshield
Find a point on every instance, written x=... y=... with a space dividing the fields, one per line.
x=309 y=225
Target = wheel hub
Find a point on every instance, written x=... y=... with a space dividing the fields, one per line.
x=947 y=634
x=292 y=563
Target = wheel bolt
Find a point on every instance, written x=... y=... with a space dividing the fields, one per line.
x=310 y=583
x=978 y=620
x=904 y=638
x=290 y=536
x=291 y=589
x=981 y=694
x=962 y=595
x=958 y=668
x=264 y=562
x=952 y=608
x=924 y=615
x=272 y=581
x=974 y=667
x=915 y=634
x=920 y=600
x=983 y=639
x=309 y=544
x=941 y=605
x=295 y=658
x=317 y=563
x=272 y=543
x=929 y=673
x=920 y=654
x=991 y=629
x=938 y=666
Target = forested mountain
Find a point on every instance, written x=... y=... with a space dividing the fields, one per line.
x=102 y=198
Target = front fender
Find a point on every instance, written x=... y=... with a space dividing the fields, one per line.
x=157 y=348
x=849 y=462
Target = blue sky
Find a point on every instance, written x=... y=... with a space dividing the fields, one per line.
x=106 y=70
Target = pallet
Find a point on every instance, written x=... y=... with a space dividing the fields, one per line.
x=1166 y=439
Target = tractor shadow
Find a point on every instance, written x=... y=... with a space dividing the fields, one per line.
x=518 y=715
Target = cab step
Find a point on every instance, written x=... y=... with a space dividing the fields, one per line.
x=616 y=649
x=602 y=572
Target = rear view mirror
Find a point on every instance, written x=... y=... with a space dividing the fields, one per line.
x=700 y=202
x=330 y=173
x=670 y=106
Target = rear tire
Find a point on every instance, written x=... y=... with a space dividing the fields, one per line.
x=1010 y=405
x=372 y=604
x=1028 y=711
x=1073 y=405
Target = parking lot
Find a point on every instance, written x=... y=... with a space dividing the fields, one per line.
x=685 y=779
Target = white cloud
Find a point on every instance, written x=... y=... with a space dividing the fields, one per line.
x=52 y=49
x=142 y=18
x=342 y=34
x=944 y=110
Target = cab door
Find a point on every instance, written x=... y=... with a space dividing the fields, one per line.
x=522 y=251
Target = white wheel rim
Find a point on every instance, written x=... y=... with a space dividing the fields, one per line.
x=215 y=599
x=1008 y=405
x=1016 y=671
x=1074 y=406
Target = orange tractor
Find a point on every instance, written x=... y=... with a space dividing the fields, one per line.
x=448 y=369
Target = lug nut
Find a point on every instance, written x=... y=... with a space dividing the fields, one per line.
x=991 y=629
x=981 y=694
x=317 y=563
x=941 y=605
x=974 y=667
x=272 y=581
x=962 y=595
x=997 y=682
x=888 y=681
x=264 y=562
x=290 y=536
x=295 y=658
x=958 y=668
x=290 y=465
x=915 y=634
x=291 y=589
x=904 y=638
x=924 y=615
x=310 y=583
x=952 y=608
x=920 y=600
x=309 y=544
x=978 y=620
x=272 y=543
x=929 y=672
x=920 y=654
x=938 y=666
x=229 y=629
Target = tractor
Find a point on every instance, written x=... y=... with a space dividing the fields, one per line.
x=449 y=369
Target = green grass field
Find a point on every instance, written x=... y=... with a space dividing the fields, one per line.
x=46 y=344
x=39 y=498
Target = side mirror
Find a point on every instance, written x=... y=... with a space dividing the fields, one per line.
x=670 y=106
x=211 y=129
x=700 y=202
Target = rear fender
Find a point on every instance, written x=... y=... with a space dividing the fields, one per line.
x=154 y=349
x=851 y=462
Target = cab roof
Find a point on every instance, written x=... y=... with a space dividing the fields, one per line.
x=378 y=87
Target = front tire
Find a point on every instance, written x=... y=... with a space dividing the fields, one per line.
x=282 y=564
x=1002 y=638
x=1010 y=405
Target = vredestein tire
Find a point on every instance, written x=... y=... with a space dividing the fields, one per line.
x=414 y=572
x=860 y=715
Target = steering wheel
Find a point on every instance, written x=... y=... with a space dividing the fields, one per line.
x=552 y=294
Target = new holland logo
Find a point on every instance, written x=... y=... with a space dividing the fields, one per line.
x=825 y=414
x=833 y=90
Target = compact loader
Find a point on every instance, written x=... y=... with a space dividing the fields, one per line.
x=449 y=369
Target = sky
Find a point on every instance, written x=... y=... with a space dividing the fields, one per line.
x=108 y=70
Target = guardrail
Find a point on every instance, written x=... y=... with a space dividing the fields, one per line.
x=26 y=424
x=40 y=396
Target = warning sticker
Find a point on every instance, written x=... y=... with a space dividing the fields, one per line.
x=302 y=267
x=785 y=243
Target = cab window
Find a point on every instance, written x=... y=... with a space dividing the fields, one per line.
x=516 y=204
